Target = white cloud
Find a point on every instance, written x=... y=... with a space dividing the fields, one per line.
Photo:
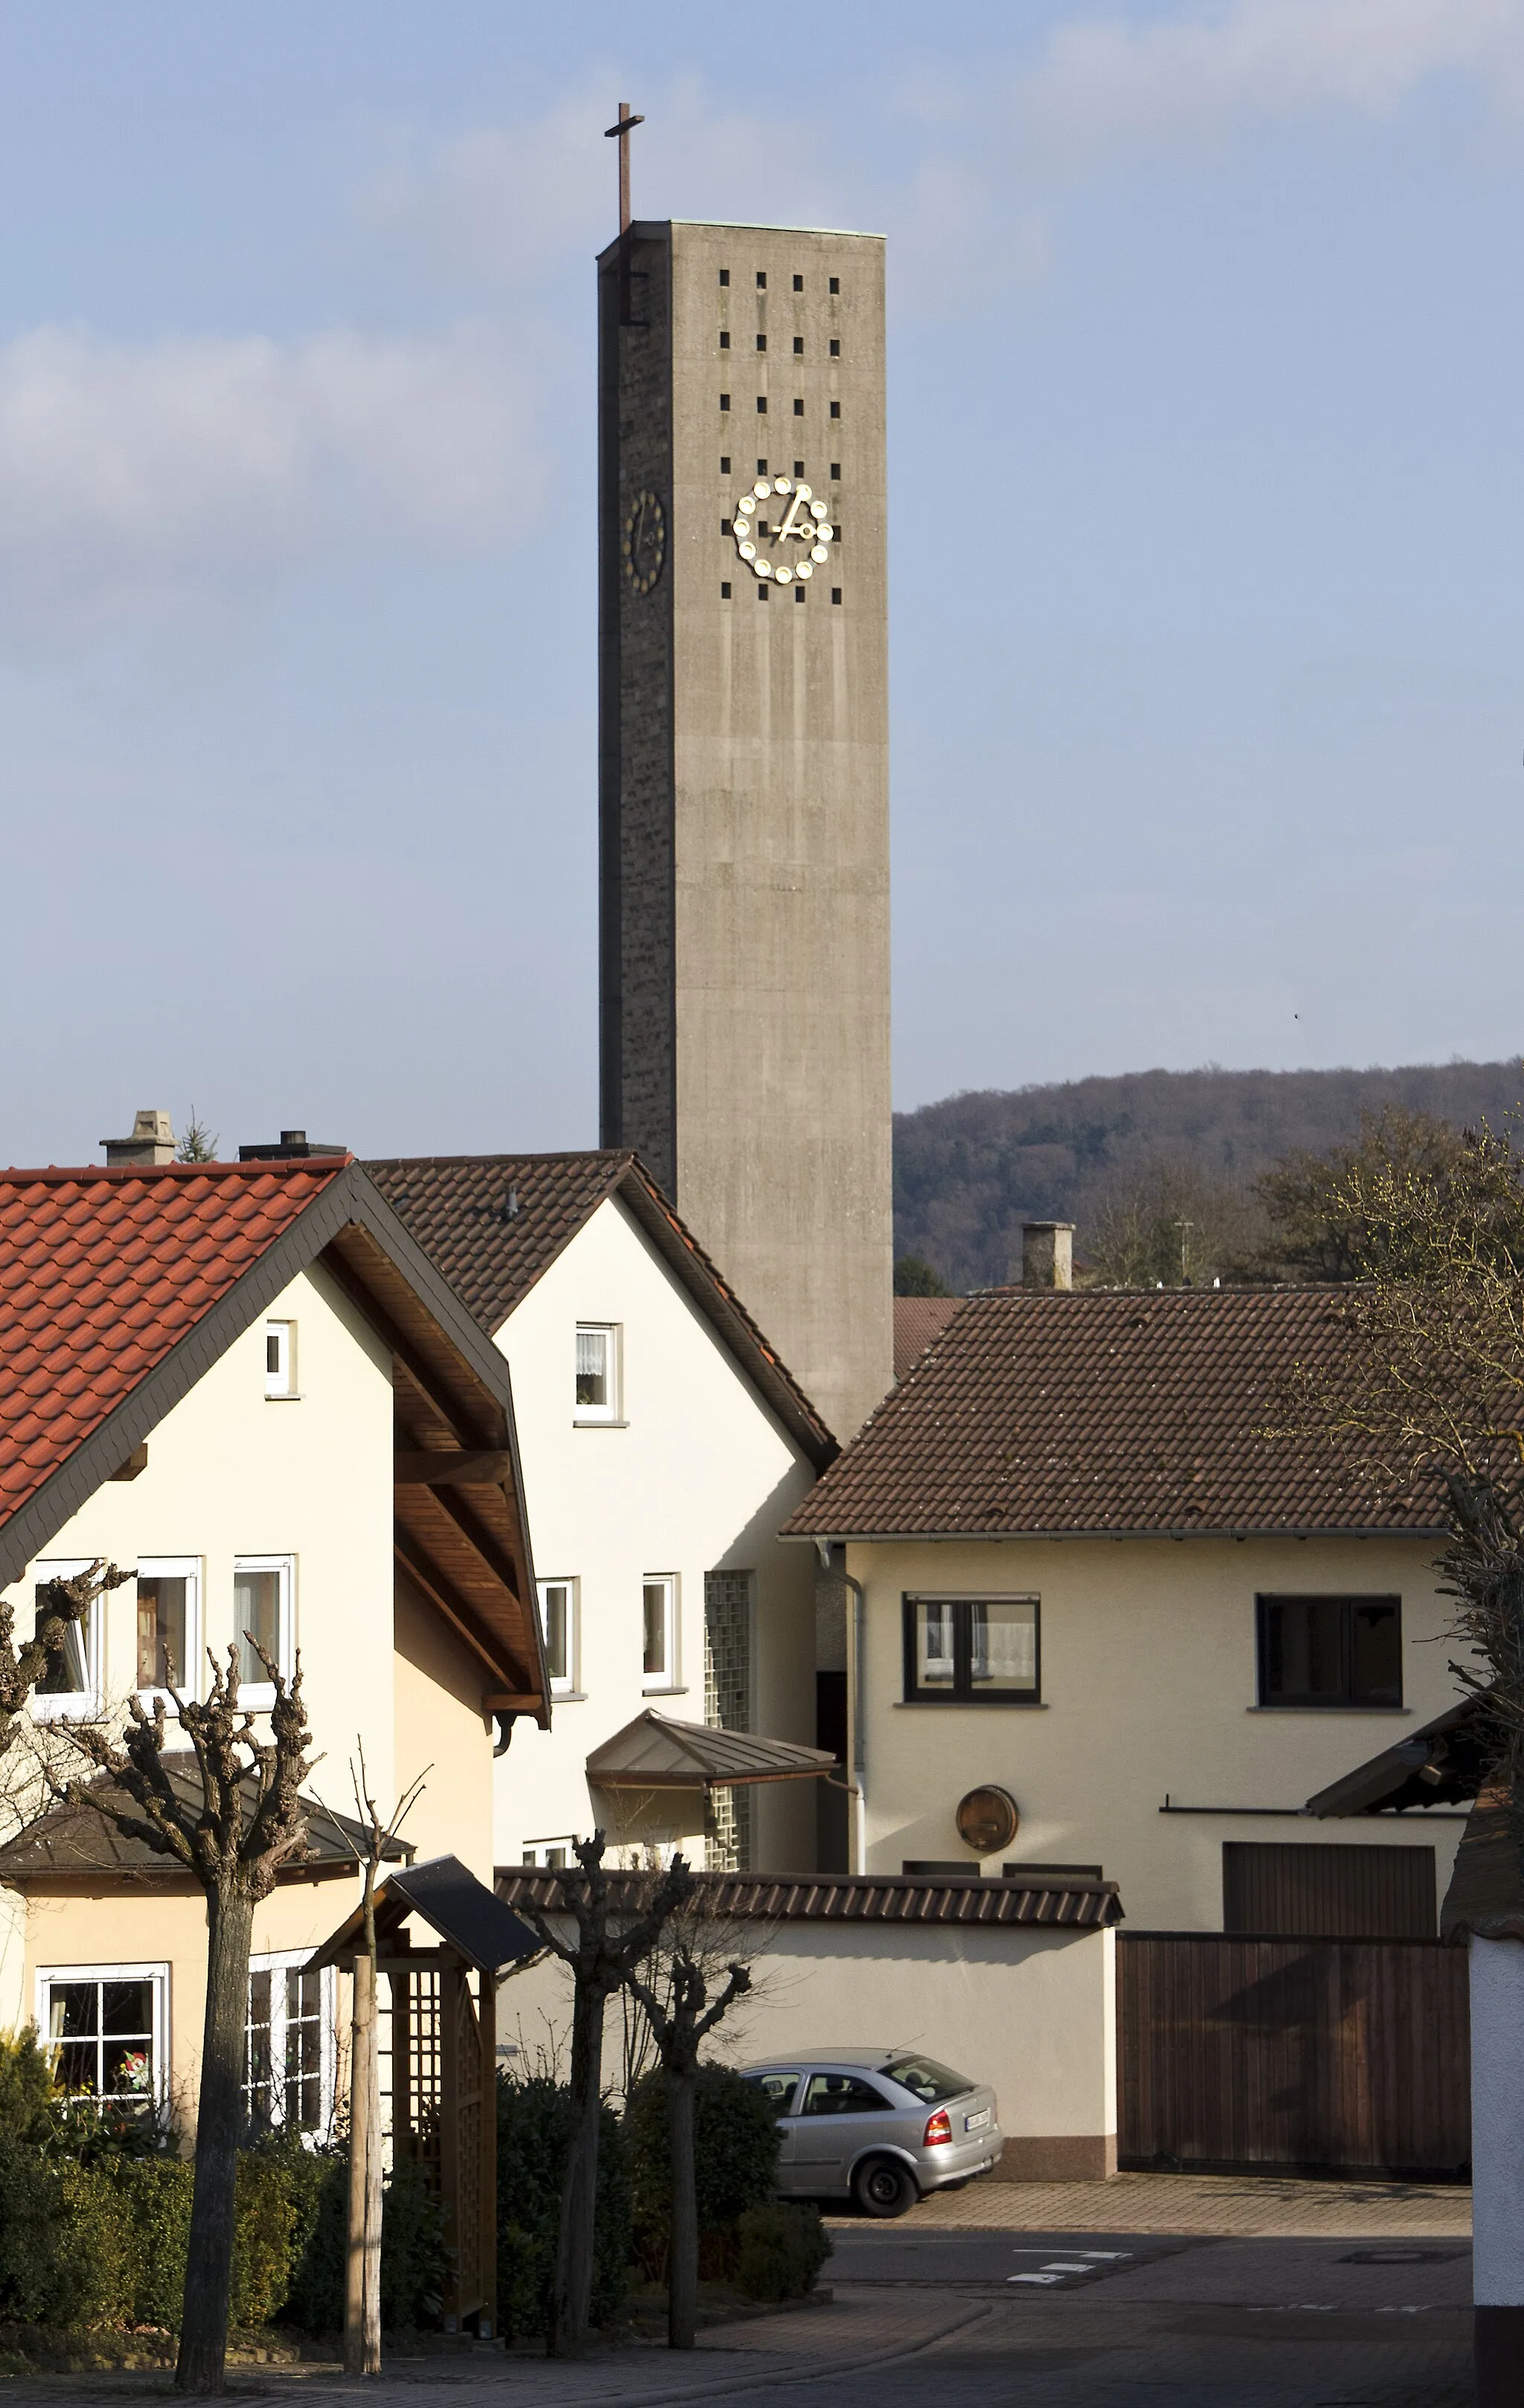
x=197 y=464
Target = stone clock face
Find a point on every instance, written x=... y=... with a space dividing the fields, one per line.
x=643 y=545
x=781 y=531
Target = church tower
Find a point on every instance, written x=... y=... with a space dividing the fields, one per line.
x=743 y=770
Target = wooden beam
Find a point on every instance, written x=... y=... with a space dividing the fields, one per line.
x=452 y=1411
x=510 y=1701
x=487 y=1467
x=436 y=1588
x=497 y=1559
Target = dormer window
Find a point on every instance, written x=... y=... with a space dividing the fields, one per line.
x=280 y=1358
x=598 y=1372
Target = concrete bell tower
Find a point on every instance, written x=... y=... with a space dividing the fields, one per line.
x=743 y=770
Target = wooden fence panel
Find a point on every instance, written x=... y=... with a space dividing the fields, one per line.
x=1322 y=2055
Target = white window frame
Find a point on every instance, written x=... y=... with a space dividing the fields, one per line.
x=72 y=1705
x=609 y=1415
x=281 y=1379
x=158 y=1975
x=566 y=1684
x=669 y=1679
x=292 y=1960
x=188 y=1568
x=536 y=1853
x=259 y=1696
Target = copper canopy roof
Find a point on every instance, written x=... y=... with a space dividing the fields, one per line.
x=655 y=1752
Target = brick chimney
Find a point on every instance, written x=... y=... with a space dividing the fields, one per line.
x=152 y=1141
x=1048 y=1253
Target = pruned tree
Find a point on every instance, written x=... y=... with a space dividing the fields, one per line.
x=233 y=1825
x=62 y=1606
x=681 y=2016
x=611 y=1939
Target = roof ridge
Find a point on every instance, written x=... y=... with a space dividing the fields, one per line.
x=317 y=1166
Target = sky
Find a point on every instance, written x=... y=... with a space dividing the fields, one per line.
x=1205 y=357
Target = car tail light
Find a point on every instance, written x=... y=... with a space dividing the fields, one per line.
x=938 y=2128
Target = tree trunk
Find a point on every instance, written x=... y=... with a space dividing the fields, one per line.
x=373 y=2189
x=573 y=2299
x=682 y=2243
x=219 y=2127
x=362 y=2033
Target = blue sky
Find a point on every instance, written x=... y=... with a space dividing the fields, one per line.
x=1205 y=355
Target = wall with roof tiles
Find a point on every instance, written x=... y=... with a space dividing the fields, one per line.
x=1148 y=1678
x=696 y=1477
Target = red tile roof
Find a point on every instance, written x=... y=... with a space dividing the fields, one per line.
x=103 y=1272
x=1107 y=1411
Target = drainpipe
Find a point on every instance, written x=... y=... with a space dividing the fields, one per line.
x=857 y=1656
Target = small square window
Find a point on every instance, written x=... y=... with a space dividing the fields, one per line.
x=762 y=590
x=836 y=472
x=798 y=284
x=558 y=1617
x=798 y=467
x=724 y=590
x=262 y=1618
x=836 y=284
x=658 y=1666
x=761 y=467
x=799 y=409
x=761 y=405
x=168 y=1622
x=725 y=276
x=724 y=464
x=724 y=401
x=836 y=410
x=798 y=592
x=598 y=1372
x=761 y=342
x=724 y=526
x=725 y=340
x=836 y=593
x=799 y=347
x=761 y=281
x=835 y=349
x=549 y=1856
x=280 y=1358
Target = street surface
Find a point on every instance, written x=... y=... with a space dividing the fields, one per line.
x=1374 y=2314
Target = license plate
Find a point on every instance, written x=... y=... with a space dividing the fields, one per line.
x=976 y=2123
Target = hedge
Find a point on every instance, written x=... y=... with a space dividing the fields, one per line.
x=534 y=2124
x=734 y=2156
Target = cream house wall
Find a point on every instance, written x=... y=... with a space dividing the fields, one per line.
x=697 y=1477
x=1148 y=1679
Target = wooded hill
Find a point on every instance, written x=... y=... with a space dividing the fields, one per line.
x=968 y=1170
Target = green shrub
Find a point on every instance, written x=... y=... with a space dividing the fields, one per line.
x=534 y=2125
x=735 y=2158
x=155 y=2195
x=414 y=2260
x=782 y=2247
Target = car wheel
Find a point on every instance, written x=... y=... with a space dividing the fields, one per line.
x=883 y=2186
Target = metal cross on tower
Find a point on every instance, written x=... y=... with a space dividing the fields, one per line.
x=622 y=133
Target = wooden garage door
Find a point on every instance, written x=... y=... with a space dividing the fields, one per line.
x=1328 y=1893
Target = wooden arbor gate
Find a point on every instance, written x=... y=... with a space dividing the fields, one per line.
x=1327 y=2057
x=444 y=2054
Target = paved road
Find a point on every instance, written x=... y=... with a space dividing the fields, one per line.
x=928 y=2318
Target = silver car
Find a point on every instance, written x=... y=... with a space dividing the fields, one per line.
x=877 y=2125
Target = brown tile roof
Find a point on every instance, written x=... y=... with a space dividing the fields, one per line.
x=918 y=1319
x=103 y=1272
x=1106 y=1411
x=494 y=1223
x=848 y=1898
x=71 y=1842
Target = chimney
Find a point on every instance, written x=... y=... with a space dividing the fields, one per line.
x=1048 y=1253
x=152 y=1142
x=294 y=1146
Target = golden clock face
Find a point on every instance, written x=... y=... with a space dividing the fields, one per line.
x=781 y=531
x=643 y=546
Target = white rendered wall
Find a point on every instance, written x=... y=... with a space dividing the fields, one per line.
x=699 y=1478
x=1497 y=2121
x=1149 y=1690
x=1030 y=2012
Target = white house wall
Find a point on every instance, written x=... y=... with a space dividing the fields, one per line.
x=1149 y=1690
x=697 y=1478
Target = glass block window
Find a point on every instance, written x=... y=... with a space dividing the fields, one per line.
x=727 y=1706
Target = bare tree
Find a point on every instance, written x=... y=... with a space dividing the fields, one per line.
x=610 y=1942
x=61 y=1606
x=680 y=2021
x=233 y=1823
x=1165 y=1222
x=363 y=2252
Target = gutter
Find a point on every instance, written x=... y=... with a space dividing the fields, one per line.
x=1192 y=1530
x=856 y=1658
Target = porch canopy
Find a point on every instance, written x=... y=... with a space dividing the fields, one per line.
x=655 y=1752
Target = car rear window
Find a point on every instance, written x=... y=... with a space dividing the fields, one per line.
x=931 y=2083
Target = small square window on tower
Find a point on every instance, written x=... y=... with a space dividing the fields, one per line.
x=798 y=467
x=798 y=284
x=762 y=592
x=835 y=470
x=761 y=281
x=761 y=342
x=798 y=592
x=724 y=590
x=761 y=467
x=836 y=284
x=761 y=405
x=835 y=349
x=836 y=410
x=836 y=593
x=799 y=409
x=725 y=276
x=724 y=401
x=799 y=347
x=725 y=340
x=724 y=464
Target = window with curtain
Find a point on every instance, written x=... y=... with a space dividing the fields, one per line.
x=972 y=1651
x=598 y=1372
